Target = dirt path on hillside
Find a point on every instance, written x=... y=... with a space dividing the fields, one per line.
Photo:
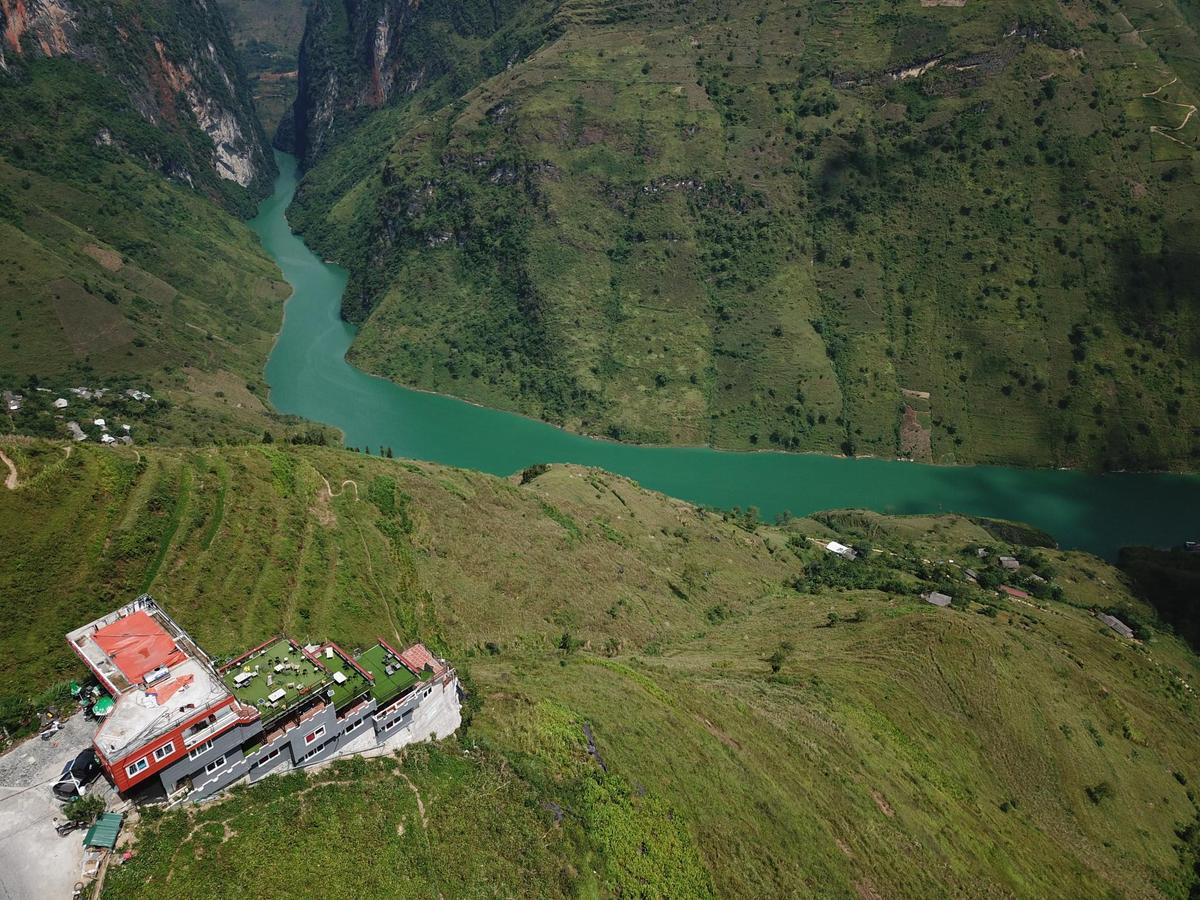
x=387 y=607
x=329 y=491
x=1163 y=129
x=11 y=481
x=420 y=803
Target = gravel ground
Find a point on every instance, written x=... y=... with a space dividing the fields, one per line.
x=35 y=863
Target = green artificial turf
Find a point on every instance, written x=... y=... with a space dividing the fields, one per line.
x=385 y=687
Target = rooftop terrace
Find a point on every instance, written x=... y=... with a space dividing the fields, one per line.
x=159 y=678
x=275 y=678
x=341 y=666
x=392 y=677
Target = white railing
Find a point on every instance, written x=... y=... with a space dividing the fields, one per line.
x=190 y=741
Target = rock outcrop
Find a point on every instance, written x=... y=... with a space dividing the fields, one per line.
x=175 y=60
x=359 y=55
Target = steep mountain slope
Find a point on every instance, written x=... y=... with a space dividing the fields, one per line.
x=954 y=232
x=266 y=35
x=768 y=719
x=129 y=144
x=173 y=61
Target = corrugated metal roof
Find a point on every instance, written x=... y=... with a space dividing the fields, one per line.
x=104 y=832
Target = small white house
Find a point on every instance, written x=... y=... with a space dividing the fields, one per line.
x=937 y=598
x=107 y=439
x=1009 y=562
x=100 y=423
x=61 y=403
x=842 y=550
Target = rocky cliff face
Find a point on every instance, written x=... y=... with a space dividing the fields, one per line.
x=175 y=62
x=359 y=55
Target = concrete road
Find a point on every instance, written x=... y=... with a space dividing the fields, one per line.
x=35 y=863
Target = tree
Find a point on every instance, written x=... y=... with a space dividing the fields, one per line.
x=84 y=809
x=780 y=656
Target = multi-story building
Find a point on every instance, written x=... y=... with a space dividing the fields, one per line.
x=182 y=725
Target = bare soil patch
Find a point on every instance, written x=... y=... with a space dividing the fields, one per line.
x=109 y=259
x=914 y=438
x=10 y=480
x=719 y=734
x=884 y=806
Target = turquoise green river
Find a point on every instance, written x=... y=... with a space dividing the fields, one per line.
x=309 y=377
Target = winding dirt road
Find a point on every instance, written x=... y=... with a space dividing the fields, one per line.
x=1163 y=129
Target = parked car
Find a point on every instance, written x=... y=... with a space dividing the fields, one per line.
x=77 y=775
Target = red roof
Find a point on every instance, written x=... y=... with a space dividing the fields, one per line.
x=164 y=690
x=137 y=644
x=417 y=658
x=1014 y=592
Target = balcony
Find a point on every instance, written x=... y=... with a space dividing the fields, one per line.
x=224 y=721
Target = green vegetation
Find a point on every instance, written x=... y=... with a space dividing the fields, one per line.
x=952 y=233
x=122 y=266
x=735 y=743
x=84 y=809
x=266 y=35
x=1170 y=582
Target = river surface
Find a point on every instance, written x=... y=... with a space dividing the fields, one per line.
x=309 y=377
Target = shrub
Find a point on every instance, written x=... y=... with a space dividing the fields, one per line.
x=1098 y=793
x=84 y=809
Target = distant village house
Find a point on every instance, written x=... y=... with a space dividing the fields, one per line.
x=1116 y=625
x=842 y=550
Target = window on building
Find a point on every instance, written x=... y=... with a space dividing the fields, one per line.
x=215 y=764
x=312 y=736
x=164 y=751
x=266 y=759
x=140 y=766
x=200 y=748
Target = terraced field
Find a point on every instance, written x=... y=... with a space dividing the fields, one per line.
x=767 y=718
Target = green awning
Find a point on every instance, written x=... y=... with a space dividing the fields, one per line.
x=103 y=706
x=104 y=832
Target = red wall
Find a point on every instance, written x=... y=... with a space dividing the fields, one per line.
x=116 y=768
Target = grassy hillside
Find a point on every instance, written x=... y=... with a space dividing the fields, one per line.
x=771 y=720
x=943 y=231
x=122 y=265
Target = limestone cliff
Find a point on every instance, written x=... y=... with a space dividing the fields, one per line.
x=174 y=61
x=359 y=55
